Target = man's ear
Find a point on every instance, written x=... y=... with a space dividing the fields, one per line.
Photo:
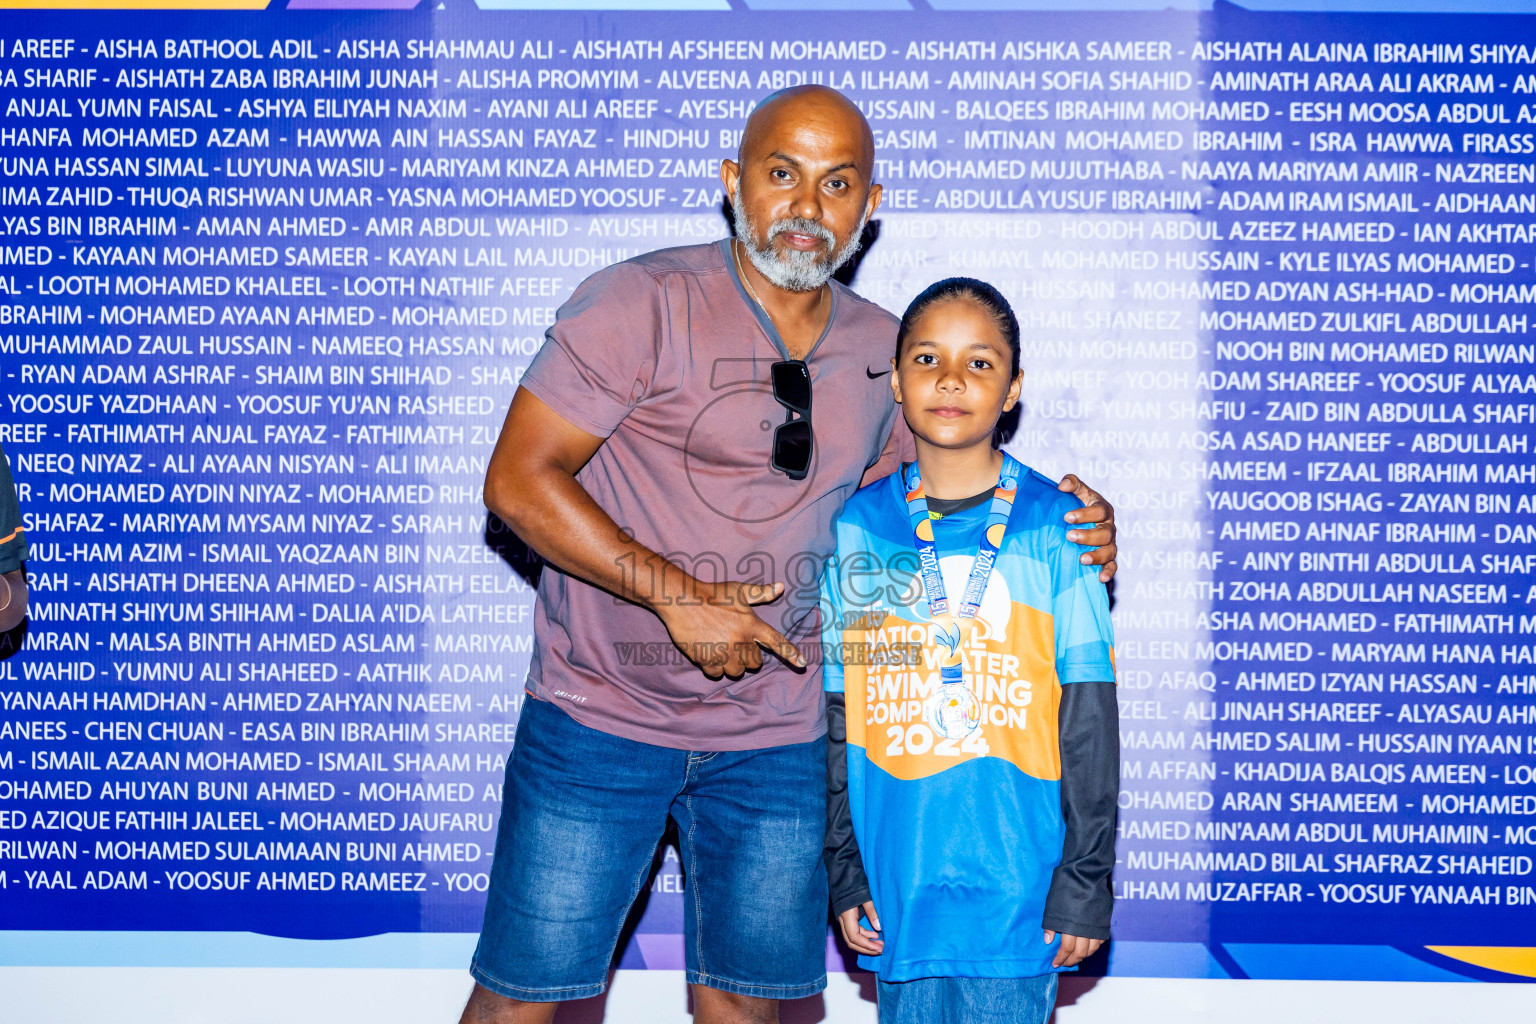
x=730 y=174
x=1013 y=391
x=895 y=382
x=876 y=193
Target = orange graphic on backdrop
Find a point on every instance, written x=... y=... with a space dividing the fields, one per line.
x=1517 y=960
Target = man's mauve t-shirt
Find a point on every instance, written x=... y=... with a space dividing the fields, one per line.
x=667 y=357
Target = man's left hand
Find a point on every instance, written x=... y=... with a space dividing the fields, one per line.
x=1100 y=537
x=1074 y=949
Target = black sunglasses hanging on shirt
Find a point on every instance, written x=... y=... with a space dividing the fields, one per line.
x=793 y=440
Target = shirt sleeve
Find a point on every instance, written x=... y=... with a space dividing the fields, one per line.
x=1079 y=610
x=13 y=539
x=599 y=356
x=1080 y=901
x=846 y=881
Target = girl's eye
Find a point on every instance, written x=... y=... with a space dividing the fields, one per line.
x=926 y=358
x=981 y=364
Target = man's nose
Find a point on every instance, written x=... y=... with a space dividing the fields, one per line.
x=807 y=202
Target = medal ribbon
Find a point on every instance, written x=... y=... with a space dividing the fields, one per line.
x=981 y=569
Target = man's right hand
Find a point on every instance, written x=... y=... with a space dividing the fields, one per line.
x=859 y=938
x=715 y=626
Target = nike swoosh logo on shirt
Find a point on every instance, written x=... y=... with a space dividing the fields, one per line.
x=872 y=375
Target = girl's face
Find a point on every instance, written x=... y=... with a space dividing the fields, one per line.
x=952 y=377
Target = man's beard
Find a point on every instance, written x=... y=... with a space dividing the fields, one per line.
x=794 y=270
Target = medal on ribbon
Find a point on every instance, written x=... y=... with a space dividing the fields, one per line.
x=954 y=711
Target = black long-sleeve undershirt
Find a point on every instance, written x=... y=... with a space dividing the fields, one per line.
x=1079 y=901
x=845 y=871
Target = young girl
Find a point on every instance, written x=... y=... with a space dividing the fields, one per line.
x=976 y=778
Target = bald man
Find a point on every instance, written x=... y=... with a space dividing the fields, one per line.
x=665 y=457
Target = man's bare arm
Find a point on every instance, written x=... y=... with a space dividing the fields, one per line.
x=13 y=600
x=531 y=485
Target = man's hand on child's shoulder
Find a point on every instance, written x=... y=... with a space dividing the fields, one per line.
x=1101 y=537
x=859 y=938
x=1074 y=948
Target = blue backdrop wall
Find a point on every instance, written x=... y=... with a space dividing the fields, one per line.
x=269 y=278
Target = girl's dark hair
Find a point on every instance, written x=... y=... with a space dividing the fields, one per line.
x=970 y=290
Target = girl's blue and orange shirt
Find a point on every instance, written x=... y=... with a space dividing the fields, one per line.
x=960 y=836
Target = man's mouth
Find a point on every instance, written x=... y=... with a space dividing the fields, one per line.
x=804 y=243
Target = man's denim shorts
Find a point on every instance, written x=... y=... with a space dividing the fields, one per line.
x=581 y=815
